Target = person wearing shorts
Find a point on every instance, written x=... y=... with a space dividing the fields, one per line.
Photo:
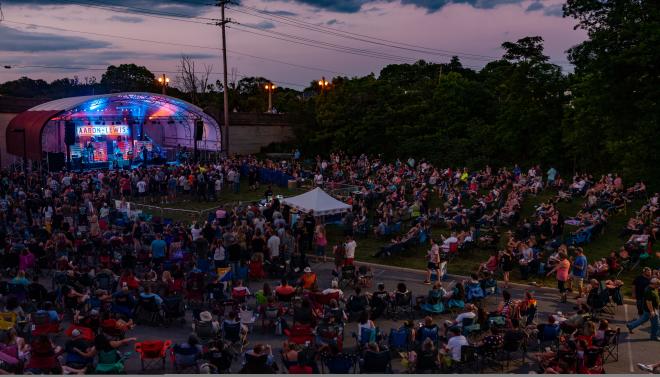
x=579 y=271
x=433 y=262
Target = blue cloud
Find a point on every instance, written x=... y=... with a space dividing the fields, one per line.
x=534 y=7
x=126 y=19
x=285 y=13
x=190 y=8
x=18 y=40
x=353 y=6
x=555 y=10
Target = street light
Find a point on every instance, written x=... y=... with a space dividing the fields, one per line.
x=323 y=84
x=164 y=81
x=270 y=87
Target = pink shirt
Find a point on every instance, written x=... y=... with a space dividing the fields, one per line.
x=562 y=270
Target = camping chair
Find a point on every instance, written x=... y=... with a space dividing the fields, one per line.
x=42 y=325
x=233 y=337
x=513 y=347
x=204 y=331
x=270 y=318
x=300 y=334
x=366 y=336
x=399 y=340
x=347 y=277
x=380 y=362
x=152 y=352
x=248 y=318
x=256 y=270
x=403 y=304
x=338 y=364
x=469 y=359
x=109 y=328
x=149 y=311
x=184 y=359
x=611 y=345
x=111 y=362
x=8 y=320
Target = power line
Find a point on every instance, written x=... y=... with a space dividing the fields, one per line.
x=177 y=44
x=354 y=36
x=337 y=33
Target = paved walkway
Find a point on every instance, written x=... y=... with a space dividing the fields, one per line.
x=633 y=349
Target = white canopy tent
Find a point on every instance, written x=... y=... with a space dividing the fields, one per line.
x=318 y=201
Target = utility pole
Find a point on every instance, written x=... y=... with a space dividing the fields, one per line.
x=225 y=123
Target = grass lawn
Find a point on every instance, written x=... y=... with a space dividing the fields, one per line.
x=415 y=258
x=600 y=247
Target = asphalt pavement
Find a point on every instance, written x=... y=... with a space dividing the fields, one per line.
x=635 y=348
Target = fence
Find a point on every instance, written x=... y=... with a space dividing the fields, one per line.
x=168 y=213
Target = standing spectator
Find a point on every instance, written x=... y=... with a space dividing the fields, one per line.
x=640 y=283
x=433 y=264
x=237 y=182
x=320 y=241
x=651 y=303
x=349 y=251
x=579 y=271
x=273 y=247
x=158 y=250
x=561 y=268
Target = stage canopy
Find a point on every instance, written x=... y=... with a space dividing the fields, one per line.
x=318 y=201
x=167 y=121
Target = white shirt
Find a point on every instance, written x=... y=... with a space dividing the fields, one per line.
x=459 y=319
x=448 y=241
x=350 y=249
x=454 y=345
x=196 y=233
x=434 y=254
x=142 y=187
x=274 y=246
x=219 y=253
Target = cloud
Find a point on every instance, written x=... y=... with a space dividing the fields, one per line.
x=334 y=21
x=264 y=25
x=18 y=40
x=188 y=8
x=534 y=6
x=191 y=56
x=285 y=13
x=555 y=10
x=126 y=19
x=354 y=6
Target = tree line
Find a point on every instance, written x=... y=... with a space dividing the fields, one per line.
x=602 y=117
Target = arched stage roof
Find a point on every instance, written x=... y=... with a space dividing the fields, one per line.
x=142 y=107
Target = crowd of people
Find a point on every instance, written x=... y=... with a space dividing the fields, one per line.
x=77 y=260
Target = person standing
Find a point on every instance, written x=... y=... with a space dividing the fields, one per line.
x=639 y=286
x=579 y=271
x=651 y=303
x=561 y=268
x=320 y=241
x=349 y=251
x=433 y=264
x=237 y=182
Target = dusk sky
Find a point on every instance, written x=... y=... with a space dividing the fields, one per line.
x=471 y=29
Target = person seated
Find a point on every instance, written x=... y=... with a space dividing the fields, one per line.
x=259 y=360
x=334 y=288
x=514 y=336
x=206 y=320
x=428 y=330
x=428 y=358
x=491 y=264
x=491 y=342
x=188 y=352
x=239 y=292
x=379 y=301
x=455 y=344
x=79 y=353
x=469 y=312
x=43 y=356
x=308 y=279
x=218 y=357
x=284 y=290
x=303 y=313
x=148 y=295
x=373 y=360
x=358 y=302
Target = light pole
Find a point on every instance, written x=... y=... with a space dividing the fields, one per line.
x=270 y=87
x=164 y=81
x=323 y=84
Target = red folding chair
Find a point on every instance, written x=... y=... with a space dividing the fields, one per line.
x=152 y=352
x=300 y=334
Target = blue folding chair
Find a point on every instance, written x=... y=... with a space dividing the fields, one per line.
x=399 y=339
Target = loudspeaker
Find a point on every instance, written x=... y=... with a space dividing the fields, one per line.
x=199 y=129
x=69 y=133
x=56 y=161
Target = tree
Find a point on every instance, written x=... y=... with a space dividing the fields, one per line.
x=614 y=119
x=128 y=78
x=193 y=81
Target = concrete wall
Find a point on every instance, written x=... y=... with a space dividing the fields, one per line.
x=248 y=132
x=247 y=139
